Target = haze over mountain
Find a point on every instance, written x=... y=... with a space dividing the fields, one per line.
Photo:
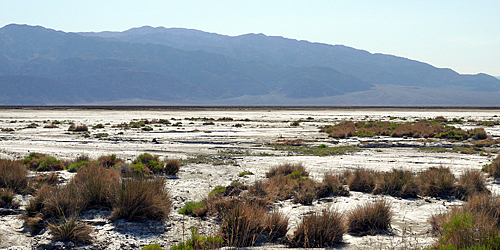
x=189 y=67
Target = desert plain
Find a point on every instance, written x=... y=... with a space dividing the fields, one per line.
x=230 y=141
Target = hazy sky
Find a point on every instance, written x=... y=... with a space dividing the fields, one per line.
x=461 y=35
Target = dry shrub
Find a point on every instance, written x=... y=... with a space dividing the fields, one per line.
x=96 y=184
x=319 y=230
x=437 y=182
x=362 y=180
x=243 y=224
x=71 y=230
x=341 y=130
x=172 y=167
x=285 y=142
x=485 y=203
x=49 y=179
x=331 y=186
x=470 y=184
x=369 y=218
x=141 y=198
x=64 y=202
x=276 y=226
x=35 y=205
x=109 y=161
x=478 y=134
x=287 y=169
x=7 y=198
x=494 y=168
x=13 y=176
x=79 y=128
x=399 y=183
x=34 y=224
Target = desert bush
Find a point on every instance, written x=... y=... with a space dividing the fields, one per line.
x=471 y=183
x=171 y=167
x=197 y=209
x=319 y=230
x=156 y=247
x=80 y=128
x=493 y=169
x=71 y=230
x=246 y=172
x=197 y=242
x=13 y=175
x=73 y=167
x=397 y=183
x=34 y=224
x=35 y=205
x=362 y=180
x=140 y=198
x=437 y=182
x=369 y=218
x=275 y=226
x=7 y=198
x=462 y=229
x=109 y=161
x=287 y=169
x=64 y=202
x=331 y=186
x=41 y=162
x=243 y=225
x=478 y=134
x=341 y=130
x=96 y=184
x=38 y=181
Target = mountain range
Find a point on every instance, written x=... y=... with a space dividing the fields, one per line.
x=174 y=66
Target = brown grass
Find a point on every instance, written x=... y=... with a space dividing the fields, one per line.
x=13 y=175
x=494 y=168
x=286 y=169
x=362 y=180
x=243 y=225
x=370 y=218
x=137 y=199
x=71 y=230
x=7 y=198
x=172 y=167
x=471 y=183
x=437 y=182
x=109 y=161
x=319 y=230
x=398 y=183
x=96 y=184
x=332 y=185
x=79 y=128
x=341 y=130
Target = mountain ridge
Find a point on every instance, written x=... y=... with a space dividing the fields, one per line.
x=185 y=66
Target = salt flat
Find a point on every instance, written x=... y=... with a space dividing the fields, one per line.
x=244 y=141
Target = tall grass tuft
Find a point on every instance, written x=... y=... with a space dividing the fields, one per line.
x=369 y=218
x=362 y=180
x=141 y=198
x=13 y=175
x=399 y=183
x=319 y=230
x=243 y=224
x=96 y=184
x=71 y=230
x=437 y=182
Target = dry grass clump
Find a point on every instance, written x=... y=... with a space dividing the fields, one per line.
x=362 y=180
x=13 y=175
x=79 y=128
x=108 y=161
x=471 y=183
x=287 y=169
x=96 y=184
x=398 y=183
x=319 y=230
x=332 y=185
x=141 y=198
x=246 y=223
x=71 y=230
x=493 y=169
x=7 y=198
x=437 y=182
x=370 y=218
x=341 y=130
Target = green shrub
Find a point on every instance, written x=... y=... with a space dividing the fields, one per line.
x=197 y=242
x=319 y=230
x=197 y=209
x=41 y=162
x=153 y=247
x=246 y=172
